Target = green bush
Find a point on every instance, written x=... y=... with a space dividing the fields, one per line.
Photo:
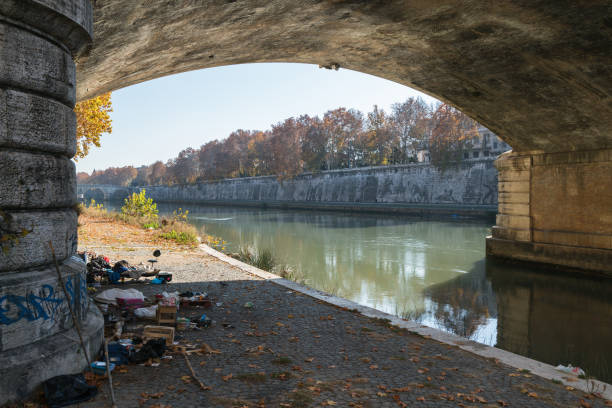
x=150 y=225
x=180 y=215
x=263 y=259
x=179 y=230
x=180 y=237
x=93 y=209
x=138 y=205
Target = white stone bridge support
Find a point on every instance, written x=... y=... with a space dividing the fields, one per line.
x=38 y=40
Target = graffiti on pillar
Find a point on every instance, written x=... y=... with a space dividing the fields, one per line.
x=46 y=303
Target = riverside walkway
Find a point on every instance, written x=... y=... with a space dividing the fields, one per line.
x=292 y=350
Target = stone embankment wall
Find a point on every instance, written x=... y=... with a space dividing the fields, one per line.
x=471 y=187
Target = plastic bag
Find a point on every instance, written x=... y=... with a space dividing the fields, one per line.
x=65 y=390
x=146 y=312
x=152 y=349
x=570 y=369
x=111 y=295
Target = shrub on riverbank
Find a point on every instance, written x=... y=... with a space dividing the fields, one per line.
x=215 y=242
x=92 y=210
x=262 y=259
x=179 y=230
x=180 y=237
x=139 y=205
x=142 y=212
x=265 y=259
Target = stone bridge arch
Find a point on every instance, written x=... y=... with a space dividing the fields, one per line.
x=96 y=194
x=537 y=73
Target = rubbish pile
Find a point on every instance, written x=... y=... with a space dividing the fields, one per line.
x=137 y=329
x=100 y=272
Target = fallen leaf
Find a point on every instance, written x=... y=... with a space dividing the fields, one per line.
x=157 y=395
x=309 y=359
x=532 y=395
x=227 y=377
x=381 y=394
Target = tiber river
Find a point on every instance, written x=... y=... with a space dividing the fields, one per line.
x=434 y=272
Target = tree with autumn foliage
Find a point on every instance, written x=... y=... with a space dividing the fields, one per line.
x=451 y=135
x=285 y=145
x=342 y=138
x=93 y=119
x=378 y=138
x=342 y=128
x=410 y=121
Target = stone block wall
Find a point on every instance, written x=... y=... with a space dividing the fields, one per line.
x=555 y=208
x=470 y=184
x=38 y=42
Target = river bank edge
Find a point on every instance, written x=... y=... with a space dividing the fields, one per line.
x=139 y=236
x=519 y=362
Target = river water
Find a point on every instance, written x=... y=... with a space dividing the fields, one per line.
x=434 y=272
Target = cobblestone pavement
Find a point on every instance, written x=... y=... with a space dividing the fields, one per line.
x=291 y=350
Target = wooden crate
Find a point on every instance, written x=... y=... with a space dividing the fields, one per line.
x=166 y=314
x=155 y=332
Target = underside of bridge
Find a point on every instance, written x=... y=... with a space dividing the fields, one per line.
x=537 y=73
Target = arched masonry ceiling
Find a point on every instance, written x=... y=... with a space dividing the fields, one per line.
x=538 y=73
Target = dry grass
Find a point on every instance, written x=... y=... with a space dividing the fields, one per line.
x=169 y=228
x=179 y=231
x=108 y=231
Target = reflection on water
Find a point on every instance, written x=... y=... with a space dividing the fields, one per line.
x=554 y=318
x=433 y=272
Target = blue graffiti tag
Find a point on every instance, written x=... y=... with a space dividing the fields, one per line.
x=31 y=307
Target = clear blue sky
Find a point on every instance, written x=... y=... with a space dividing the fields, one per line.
x=155 y=120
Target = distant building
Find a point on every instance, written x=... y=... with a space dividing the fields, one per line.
x=486 y=144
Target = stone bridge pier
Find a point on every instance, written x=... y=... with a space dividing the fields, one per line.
x=38 y=43
x=555 y=209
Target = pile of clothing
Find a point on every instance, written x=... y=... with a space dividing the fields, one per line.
x=99 y=266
